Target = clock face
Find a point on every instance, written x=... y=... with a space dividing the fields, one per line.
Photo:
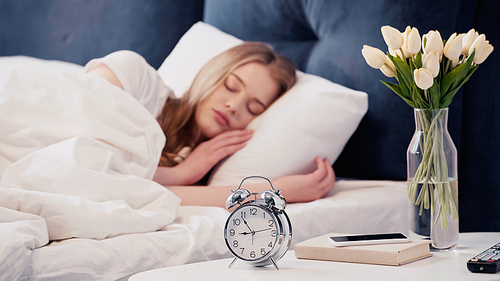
x=251 y=232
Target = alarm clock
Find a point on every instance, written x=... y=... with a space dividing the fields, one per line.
x=258 y=231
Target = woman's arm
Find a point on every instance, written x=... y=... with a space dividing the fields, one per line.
x=295 y=188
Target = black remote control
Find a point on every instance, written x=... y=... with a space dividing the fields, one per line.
x=486 y=262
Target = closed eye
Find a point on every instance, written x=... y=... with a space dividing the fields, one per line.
x=255 y=107
x=229 y=88
x=231 y=83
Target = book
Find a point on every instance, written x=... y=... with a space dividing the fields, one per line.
x=384 y=254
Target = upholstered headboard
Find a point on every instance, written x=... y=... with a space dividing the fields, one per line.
x=79 y=30
x=323 y=37
x=326 y=38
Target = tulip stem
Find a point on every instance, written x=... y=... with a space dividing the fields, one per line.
x=402 y=53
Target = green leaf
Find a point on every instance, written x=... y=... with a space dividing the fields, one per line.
x=420 y=100
x=404 y=74
x=397 y=89
x=446 y=101
x=455 y=79
x=448 y=80
x=434 y=92
x=413 y=66
x=418 y=60
x=461 y=75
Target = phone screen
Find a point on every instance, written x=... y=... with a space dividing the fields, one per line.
x=368 y=237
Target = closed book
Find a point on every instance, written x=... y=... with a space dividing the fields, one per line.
x=385 y=254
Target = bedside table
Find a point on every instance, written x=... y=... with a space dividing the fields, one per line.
x=445 y=265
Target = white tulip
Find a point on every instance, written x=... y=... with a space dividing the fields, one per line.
x=467 y=40
x=434 y=43
x=423 y=78
x=392 y=37
x=411 y=41
x=388 y=69
x=453 y=47
x=478 y=45
x=431 y=63
x=373 y=56
x=480 y=58
x=390 y=64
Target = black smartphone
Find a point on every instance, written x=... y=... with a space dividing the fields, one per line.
x=367 y=239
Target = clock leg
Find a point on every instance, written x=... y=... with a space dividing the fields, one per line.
x=274 y=263
x=232 y=263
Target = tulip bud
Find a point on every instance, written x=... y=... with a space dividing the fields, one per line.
x=392 y=37
x=390 y=64
x=431 y=63
x=478 y=44
x=413 y=41
x=467 y=40
x=388 y=69
x=373 y=56
x=453 y=47
x=423 y=78
x=434 y=43
x=480 y=58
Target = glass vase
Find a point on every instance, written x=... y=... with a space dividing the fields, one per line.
x=433 y=180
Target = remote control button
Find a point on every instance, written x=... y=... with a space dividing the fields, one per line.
x=491 y=261
x=473 y=260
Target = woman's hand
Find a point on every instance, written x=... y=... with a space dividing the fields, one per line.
x=308 y=187
x=203 y=158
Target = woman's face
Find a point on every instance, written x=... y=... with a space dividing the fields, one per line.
x=246 y=93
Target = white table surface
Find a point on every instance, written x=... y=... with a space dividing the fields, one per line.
x=443 y=265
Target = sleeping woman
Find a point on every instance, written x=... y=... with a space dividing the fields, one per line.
x=208 y=122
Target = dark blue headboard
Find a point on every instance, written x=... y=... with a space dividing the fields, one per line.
x=80 y=30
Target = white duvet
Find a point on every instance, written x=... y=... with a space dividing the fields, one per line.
x=77 y=155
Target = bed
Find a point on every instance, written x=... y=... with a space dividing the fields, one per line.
x=77 y=203
x=83 y=185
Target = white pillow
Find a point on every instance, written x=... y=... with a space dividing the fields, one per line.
x=315 y=118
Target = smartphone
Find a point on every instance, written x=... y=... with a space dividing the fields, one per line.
x=368 y=239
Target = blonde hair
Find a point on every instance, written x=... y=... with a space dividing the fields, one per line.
x=178 y=115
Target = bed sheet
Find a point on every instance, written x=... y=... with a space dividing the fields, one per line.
x=196 y=235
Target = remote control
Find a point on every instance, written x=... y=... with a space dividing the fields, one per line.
x=486 y=262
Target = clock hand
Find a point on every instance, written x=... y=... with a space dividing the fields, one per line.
x=262 y=230
x=246 y=233
x=246 y=224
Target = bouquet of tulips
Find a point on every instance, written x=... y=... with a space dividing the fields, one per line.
x=429 y=72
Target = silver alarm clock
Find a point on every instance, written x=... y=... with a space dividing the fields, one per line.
x=258 y=231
